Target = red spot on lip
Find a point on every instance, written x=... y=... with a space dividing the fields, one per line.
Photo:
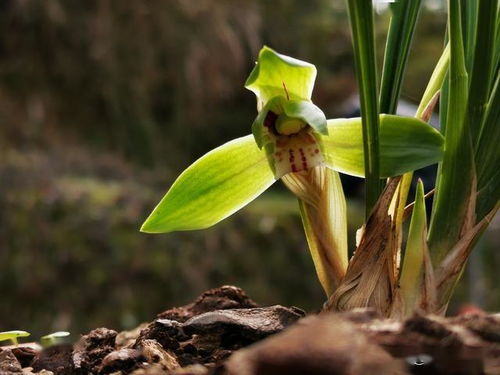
x=316 y=151
x=294 y=168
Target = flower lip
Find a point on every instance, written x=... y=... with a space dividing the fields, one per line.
x=296 y=152
x=292 y=145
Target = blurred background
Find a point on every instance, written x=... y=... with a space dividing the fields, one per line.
x=103 y=103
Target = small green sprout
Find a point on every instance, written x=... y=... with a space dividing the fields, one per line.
x=13 y=335
x=53 y=338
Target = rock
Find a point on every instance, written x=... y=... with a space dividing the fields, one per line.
x=150 y=370
x=225 y=297
x=453 y=348
x=485 y=326
x=361 y=315
x=155 y=354
x=168 y=333
x=327 y=344
x=449 y=345
x=29 y=371
x=9 y=363
x=192 y=370
x=124 y=360
x=239 y=327
x=91 y=349
x=99 y=337
x=57 y=359
x=25 y=354
x=127 y=338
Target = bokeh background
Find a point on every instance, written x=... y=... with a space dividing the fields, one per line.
x=104 y=102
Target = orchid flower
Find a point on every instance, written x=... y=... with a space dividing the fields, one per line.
x=292 y=140
x=290 y=134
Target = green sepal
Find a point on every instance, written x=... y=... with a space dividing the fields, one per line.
x=406 y=144
x=259 y=132
x=307 y=112
x=212 y=188
x=280 y=75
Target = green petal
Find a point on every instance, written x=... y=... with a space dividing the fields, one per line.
x=258 y=128
x=308 y=112
x=275 y=72
x=406 y=144
x=214 y=187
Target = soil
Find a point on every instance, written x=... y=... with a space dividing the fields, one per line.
x=224 y=332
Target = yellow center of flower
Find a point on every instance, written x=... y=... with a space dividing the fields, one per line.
x=288 y=125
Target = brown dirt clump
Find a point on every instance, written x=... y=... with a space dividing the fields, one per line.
x=223 y=332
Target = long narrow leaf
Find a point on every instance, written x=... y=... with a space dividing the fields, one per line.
x=456 y=172
x=435 y=82
x=361 y=19
x=480 y=77
x=487 y=155
x=496 y=64
x=399 y=38
x=469 y=15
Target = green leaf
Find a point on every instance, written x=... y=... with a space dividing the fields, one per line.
x=13 y=335
x=482 y=67
x=401 y=30
x=308 y=112
x=280 y=75
x=406 y=144
x=487 y=155
x=469 y=14
x=496 y=63
x=214 y=187
x=416 y=246
x=361 y=20
x=455 y=179
x=435 y=82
